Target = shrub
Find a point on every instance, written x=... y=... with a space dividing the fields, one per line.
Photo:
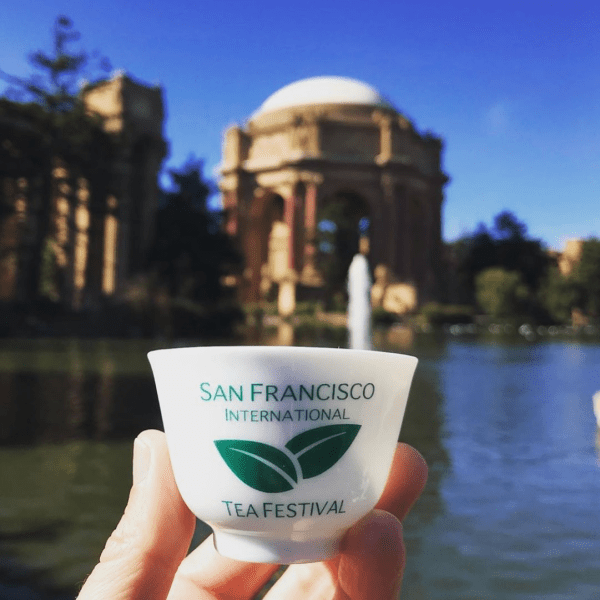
x=307 y=308
x=501 y=293
x=383 y=317
x=558 y=295
x=435 y=313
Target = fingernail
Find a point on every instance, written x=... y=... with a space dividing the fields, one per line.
x=141 y=460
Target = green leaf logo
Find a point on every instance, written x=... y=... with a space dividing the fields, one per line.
x=317 y=450
x=258 y=465
x=269 y=469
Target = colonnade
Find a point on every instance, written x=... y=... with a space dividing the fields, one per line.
x=404 y=235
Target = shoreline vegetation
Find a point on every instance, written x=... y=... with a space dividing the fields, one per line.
x=253 y=322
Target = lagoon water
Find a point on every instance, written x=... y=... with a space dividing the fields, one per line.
x=511 y=510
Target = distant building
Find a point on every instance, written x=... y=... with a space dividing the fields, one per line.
x=98 y=232
x=570 y=255
x=323 y=138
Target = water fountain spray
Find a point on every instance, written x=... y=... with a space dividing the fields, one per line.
x=359 y=303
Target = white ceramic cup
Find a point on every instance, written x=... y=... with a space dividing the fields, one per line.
x=281 y=450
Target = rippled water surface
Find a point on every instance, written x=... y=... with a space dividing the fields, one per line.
x=510 y=510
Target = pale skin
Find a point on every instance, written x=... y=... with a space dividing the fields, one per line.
x=145 y=557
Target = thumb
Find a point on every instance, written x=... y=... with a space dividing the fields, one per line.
x=153 y=536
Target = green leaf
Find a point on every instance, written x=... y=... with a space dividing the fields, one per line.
x=259 y=465
x=317 y=450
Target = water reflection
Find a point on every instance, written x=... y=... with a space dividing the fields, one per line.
x=519 y=517
x=507 y=428
x=58 y=505
x=73 y=391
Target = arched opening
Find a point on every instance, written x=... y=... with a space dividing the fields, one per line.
x=343 y=230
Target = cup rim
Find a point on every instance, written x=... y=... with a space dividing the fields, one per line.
x=306 y=350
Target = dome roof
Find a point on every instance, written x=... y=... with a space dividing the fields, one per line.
x=323 y=90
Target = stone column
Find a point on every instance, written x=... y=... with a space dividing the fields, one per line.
x=377 y=233
x=230 y=207
x=80 y=240
x=310 y=275
x=14 y=205
x=411 y=234
x=402 y=234
x=251 y=238
x=286 y=301
x=392 y=233
x=94 y=264
x=63 y=231
x=429 y=249
x=421 y=244
x=253 y=241
x=111 y=235
x=290 y=221
x=385 y=138
x=35 y=229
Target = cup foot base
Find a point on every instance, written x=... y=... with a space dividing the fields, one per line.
x=253 y=548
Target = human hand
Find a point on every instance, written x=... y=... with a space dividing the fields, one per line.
x=145 y=557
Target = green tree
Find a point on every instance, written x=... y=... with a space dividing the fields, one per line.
x=191 y=255
x=558 y=295
x=586 y=278
x=54 y=85
x=561 y=294
x=506 y=246
x=501 y=293
x=43 y=124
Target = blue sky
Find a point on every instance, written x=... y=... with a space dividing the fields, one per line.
x=512 y=88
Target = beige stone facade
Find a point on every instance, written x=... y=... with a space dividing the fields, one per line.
x=569 y=257
x=134 y=112
x=316 y=140
x=98 y=232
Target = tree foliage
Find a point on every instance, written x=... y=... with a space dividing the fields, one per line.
x=187 y=262
x=191 y=254
x=508 y=274
x=558 y=295
x=504 y=246
x=586 y=278
x=49 y=102
x=54 y=84
x=502 y=293
x=43 y=124
x=561 y=295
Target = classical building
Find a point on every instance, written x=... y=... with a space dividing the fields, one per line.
x=96 y=231
x=135 y=113
x=322 y=139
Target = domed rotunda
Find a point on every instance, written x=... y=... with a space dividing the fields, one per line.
x=321 y=141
